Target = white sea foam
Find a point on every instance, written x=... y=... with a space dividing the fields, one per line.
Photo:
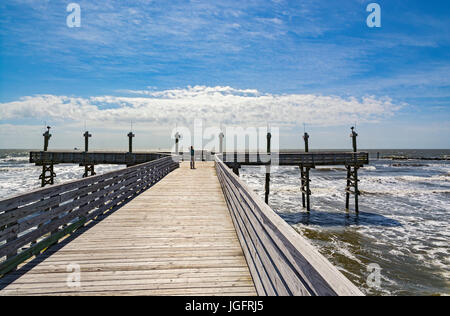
x=403 y=224
x=22 y=177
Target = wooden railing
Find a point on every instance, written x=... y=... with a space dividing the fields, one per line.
x=32 y=222
x=281 y=262
x=295 y=159
x=93 y=158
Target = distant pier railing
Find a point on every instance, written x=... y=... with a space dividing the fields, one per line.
x=305 y=161
x=32 y=222
x=311 y=159
x=92 y=158
x=281 y=262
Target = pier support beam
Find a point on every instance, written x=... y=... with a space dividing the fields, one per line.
x=305 y=178
x=88 y=168
x=352 y=176
x=267 y=186
x=236 y=168
x=47 y=176
x=352 y=182
x=89 y=171
x=306 y=191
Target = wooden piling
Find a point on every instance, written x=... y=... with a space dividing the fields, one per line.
x=357 y=193
x=347 y=194
x=352 y=175
x=236 y=169
x=47 y=176
x=305 y=178
x=267 y=186
x=306 y=191
x=302 y=176
x=89 y=169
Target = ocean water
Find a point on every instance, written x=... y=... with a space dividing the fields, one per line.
x=403 y=226
x=18 y=176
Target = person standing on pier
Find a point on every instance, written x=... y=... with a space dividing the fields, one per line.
x=192 y=157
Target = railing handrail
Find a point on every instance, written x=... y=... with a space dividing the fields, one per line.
x=280 y=158
x=280 y=260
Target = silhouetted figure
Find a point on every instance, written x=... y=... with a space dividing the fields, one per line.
x=192 y=157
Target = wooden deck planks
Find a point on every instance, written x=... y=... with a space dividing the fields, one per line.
x=175 y=239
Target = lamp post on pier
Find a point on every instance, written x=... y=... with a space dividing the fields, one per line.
x=130 y=141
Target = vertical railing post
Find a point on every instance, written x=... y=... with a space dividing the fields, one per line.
x=13 y=253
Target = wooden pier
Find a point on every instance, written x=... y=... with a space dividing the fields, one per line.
x=173 y=239
x=157 y=229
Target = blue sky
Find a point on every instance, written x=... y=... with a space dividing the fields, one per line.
x=302 y=61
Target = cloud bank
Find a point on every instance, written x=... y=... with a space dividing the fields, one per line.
x=215 y=105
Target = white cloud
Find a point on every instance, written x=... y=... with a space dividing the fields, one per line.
x=215 y=105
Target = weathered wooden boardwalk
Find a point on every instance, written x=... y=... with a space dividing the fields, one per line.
x=176 y=238
x=158 y=228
